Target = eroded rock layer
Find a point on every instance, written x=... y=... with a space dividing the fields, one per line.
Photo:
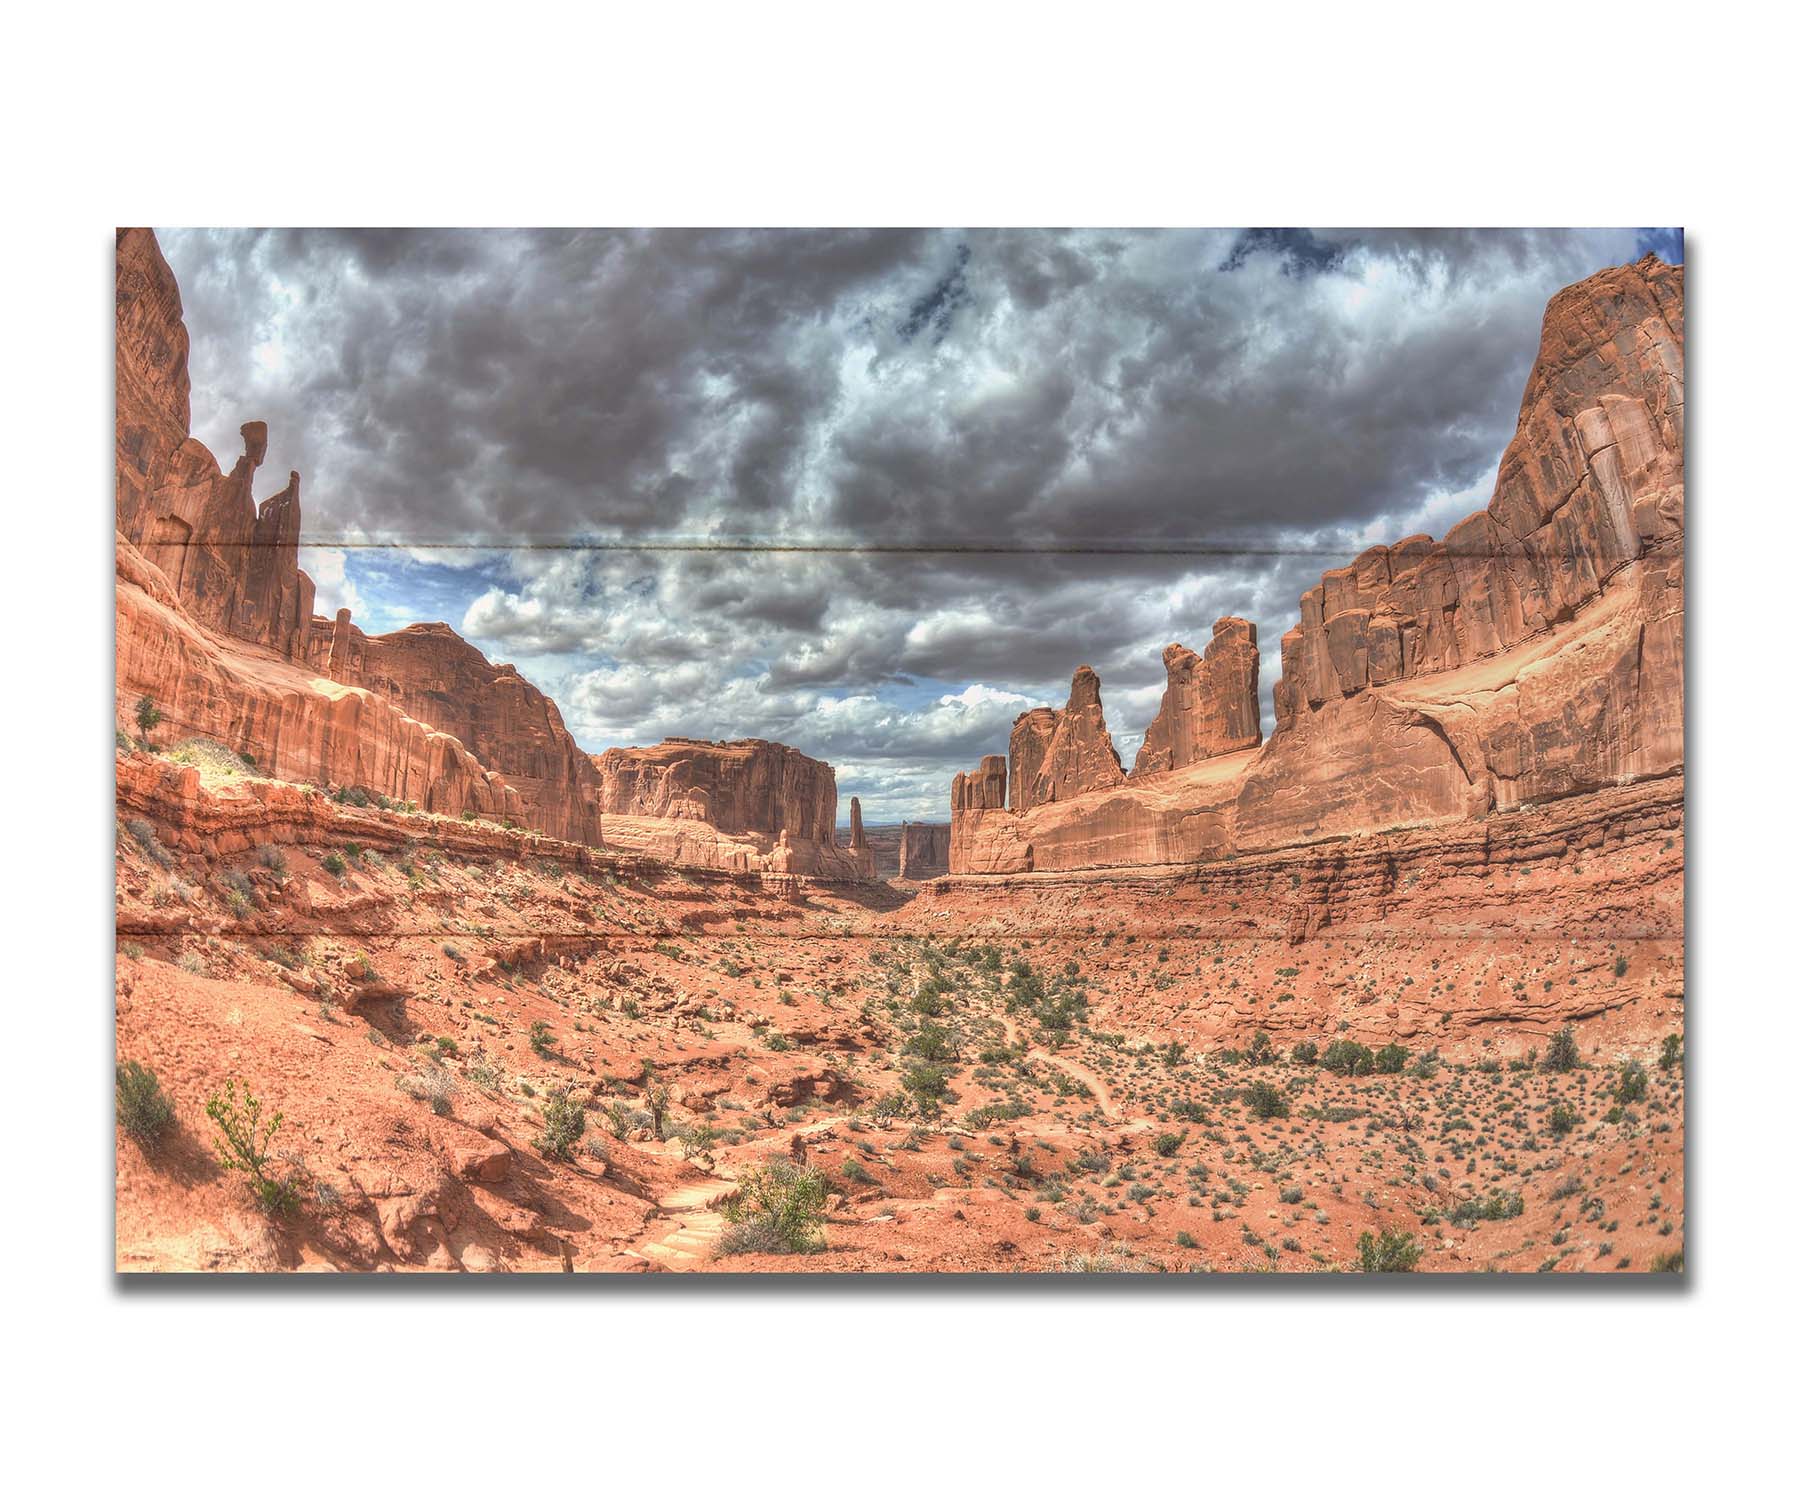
x=436 y=676
x=297 y=726
x=232 y=563
x=1210 y=706
x=1058 y=753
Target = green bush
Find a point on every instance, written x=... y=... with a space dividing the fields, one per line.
x=1673 y=1053
x=1498 y=1204
x=542 y=1039
x=1633 y=1085
x=148 y=716
x=1266 y=1101
x=1169 y=1142
x=1351 y=1058
x=928 y=1083
x=334 y=863
x=243 y=1146
x=564 y=1123
x=145 y=1112
x=777 y=1210
x=1562 y=1056
x=1394 y=1251
x=1391 y=1058
x=1563 y=1118
x=933 y=1043
x=1306 y=1053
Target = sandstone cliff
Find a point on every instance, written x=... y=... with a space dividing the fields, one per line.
x=215 y=625
x=436 y=676
x=1210 y=705
x=298 y=726
x=1058 y=753
x=769 y=801
x=924 y=850
x=232 y=563
x=1535 y=653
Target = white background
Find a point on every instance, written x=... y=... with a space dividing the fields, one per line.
x=916 y=113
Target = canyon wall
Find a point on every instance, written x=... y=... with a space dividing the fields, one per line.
x=924 y=850
x=433 y=674
x=298 y=726
x=768 y=801
x=1535 y=653
x=738 y=786
x=215 y=626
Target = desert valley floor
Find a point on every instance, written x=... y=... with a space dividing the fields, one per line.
x=990 y=1073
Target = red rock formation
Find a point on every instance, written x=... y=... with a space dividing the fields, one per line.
x=436 y=676
x=1057 y=754
x=299 y=727
x=1536 y=653
x=233 y=565
x=1210 y=705
x=924 y=850
x=738 y=786
x=740 y=805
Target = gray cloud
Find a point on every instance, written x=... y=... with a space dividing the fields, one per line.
x=1290 y=394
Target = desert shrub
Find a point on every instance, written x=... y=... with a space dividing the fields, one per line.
x=855 y=1171
x=483 y=1072
x=1169 y=1142
x=542 y=1039
x=1633 y=1085
x=1393 y=1251
x=144 y=832
x=1351 y=1058
x=271 y=858
x=1498 y=1204
x=697 y=1141
x=1673 y=1054
x=1306 y=1053
x=1620 y=965
x=778 y=1209
x=145 y=1111
x=334 y=864
x=564 y=1123
x=928 y=1083
x=1391 y=1058
x=1562 y=1055
x=1265 y=1101
x=243 y=1146
x=1102 y=1262
x=1670 y=1261
x=121 y=740
x=1563 y=1118
x=148 y=716
x=1260 y=1051
x=933 y=1043
x=432 y=1086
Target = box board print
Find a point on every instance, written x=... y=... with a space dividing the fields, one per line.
x=900 y=751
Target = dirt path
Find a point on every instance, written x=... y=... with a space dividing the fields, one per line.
x=1103 y=1098
x=688 y=1225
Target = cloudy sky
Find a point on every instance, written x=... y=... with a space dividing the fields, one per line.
x=871 y=493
